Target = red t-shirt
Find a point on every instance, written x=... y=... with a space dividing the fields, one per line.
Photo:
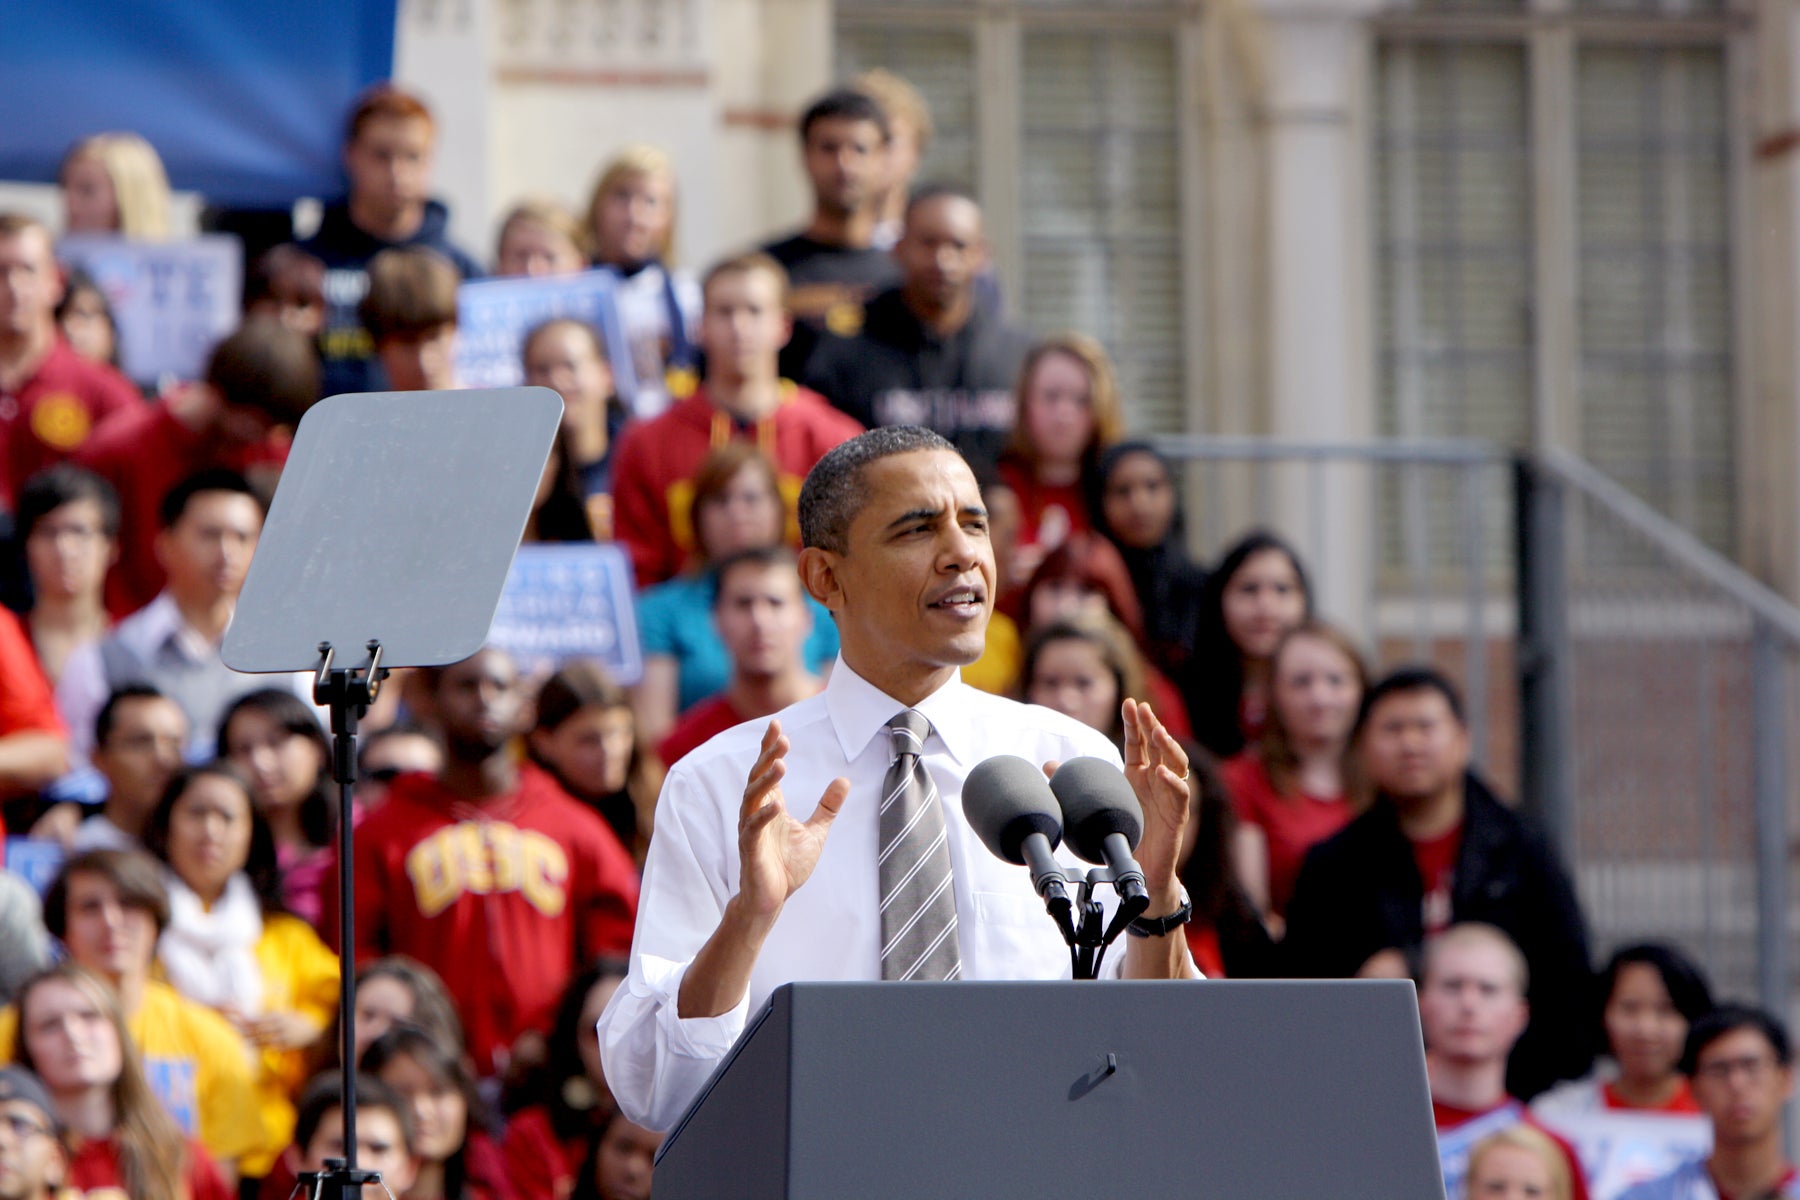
x=653 y=473
x=94 y=1173
x=144 y=452
x=52 y=414
x=1203 y=944
x=1048 y=512
x=697 y=726
x=540 y=1165
x=26 y=702
x=1681 y=1102
x=1436 y=859
x=1448 y=1117
x=504 y=899
x=1291 y=825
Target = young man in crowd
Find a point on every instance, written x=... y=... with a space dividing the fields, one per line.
x=410 y=313
x=1742 y=1067
x=929 y=352
x=1436 y=848
x=211 y=522
x=833 y=264
x=390 y=143
x=1472 y=1009
x=33 y=1162
x=259 y=383
x=384 y=1137
x=108 y=907
x=51 y=398
x=909 y=137
x=139 y=737
x=764 y=620
x=742 y=329
x=489 y=873
x=67 y=521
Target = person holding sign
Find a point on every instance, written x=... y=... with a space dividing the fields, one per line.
x=51 y=398
x=743 y=398
x=388 y=153
x=631 y=220
x=539 y=238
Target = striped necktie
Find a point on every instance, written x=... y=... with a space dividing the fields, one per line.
x=918 y=902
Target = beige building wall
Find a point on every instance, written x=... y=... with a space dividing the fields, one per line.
x=536 y=95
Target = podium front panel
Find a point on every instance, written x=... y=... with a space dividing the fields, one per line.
x=1216 y=1089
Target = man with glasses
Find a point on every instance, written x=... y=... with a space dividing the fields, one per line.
x=33 y=1163
x=138 y=738
x=1741 y=1065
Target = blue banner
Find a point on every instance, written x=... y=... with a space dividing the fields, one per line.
x=570 y=600
x=173 y=300
x=244 y=100
x=494 y=315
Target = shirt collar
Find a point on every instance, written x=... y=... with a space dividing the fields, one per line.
x=859 y=710
x=159 y=624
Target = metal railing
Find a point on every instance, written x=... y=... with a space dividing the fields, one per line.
x=1627 y=682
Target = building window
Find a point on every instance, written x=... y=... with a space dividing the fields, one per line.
x=1089 y=123
x=1494 y=140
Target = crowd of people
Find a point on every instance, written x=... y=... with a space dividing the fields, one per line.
x=173 y=995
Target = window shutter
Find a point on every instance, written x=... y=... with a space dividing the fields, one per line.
x=1655 y=279
x=1101 y=206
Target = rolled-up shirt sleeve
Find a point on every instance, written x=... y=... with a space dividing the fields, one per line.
x=656 y=1062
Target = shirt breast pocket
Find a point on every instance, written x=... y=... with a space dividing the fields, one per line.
x=1012 y=937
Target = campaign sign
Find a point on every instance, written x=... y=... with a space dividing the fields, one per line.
x=568 y=600
x=494 y=315
x=173 y=300
x=35 y=860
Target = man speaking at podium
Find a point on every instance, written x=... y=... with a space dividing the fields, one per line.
x=818 y=848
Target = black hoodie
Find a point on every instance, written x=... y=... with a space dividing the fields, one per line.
x=897 y=372
x=345 y=351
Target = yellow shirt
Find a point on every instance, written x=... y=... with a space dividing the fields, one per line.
x=197 y=1065
x=998 y=666
x=300 y=975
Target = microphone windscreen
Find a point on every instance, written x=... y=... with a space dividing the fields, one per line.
x=1096 y=800
x=1006 y=800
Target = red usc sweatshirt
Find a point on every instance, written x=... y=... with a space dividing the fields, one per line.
x=505 y=899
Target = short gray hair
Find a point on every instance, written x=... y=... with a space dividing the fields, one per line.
x=833 y=493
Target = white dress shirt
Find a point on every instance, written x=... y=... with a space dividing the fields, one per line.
x=830 y=928
x=172 y=656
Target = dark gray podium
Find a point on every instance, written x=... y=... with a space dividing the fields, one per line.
x=1002 y=1091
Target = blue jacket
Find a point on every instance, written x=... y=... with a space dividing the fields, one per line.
x=345 y=351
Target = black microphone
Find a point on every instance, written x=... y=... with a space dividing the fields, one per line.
x=1104 y=823
x=1009 y=805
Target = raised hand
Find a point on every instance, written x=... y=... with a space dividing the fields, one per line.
x=777 y=852
x=1157 y=767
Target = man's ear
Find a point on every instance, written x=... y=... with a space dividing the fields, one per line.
x=818 y=575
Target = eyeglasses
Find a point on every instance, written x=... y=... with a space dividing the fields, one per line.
x=1754 y=1068
x=22 y=1127
x=383 y=774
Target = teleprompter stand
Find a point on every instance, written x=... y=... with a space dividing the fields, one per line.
x=391 y=534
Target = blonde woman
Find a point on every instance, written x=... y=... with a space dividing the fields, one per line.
x=631 y=221
x=1520 y=1163
x=1069 y=414
x=114 y=183
x=540 y=237
x=71 y=1033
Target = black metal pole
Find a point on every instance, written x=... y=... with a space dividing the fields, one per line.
x=348 y=692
